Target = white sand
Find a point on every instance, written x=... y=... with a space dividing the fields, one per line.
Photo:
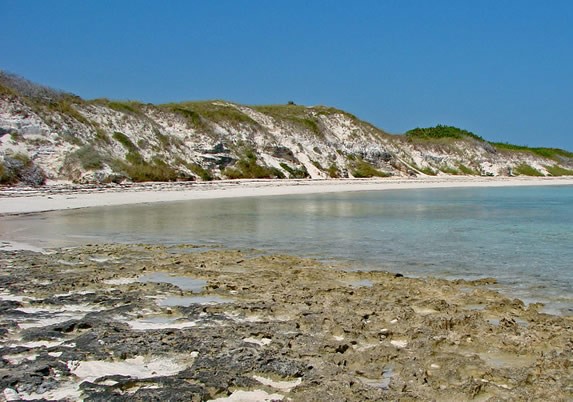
x=15 y=203
x=137 y=367
x=285 y=386
x=250 y=396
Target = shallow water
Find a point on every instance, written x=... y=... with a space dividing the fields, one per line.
x=520 y=235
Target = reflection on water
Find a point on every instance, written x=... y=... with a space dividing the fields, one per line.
x=182 y=282
x=522 y=236
x=186 y=301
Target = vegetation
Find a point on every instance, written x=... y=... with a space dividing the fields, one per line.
x=150 y=172
x=550 y=153
x=300 y=116
x=525 y=170
x=558 y=171
x=295 y=173
x=333 y=171
x=467 y=171
x=450 y=170
x=65 y=107
x=361 y=169
x=428 y=170
x=248 y=168
x=124 y=140
x=19 y=168
x=88 y=157
x=199 y=114
x=204 y=174
x=128 y=107
x=102 y=137
x=441 y=131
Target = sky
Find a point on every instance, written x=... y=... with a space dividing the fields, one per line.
x=502 y=69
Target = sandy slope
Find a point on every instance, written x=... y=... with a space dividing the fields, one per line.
x=17 y=201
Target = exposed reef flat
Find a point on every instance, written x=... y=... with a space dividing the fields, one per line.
x=139 y=322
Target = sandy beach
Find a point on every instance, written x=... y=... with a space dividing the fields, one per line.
x=58 y=196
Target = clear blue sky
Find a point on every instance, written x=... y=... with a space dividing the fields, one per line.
x=502 y=69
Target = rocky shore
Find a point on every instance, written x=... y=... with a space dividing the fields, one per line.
x=181 y=323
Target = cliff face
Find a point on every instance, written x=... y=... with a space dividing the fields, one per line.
x=96 y=141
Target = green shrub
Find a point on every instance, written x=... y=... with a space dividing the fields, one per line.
x=102 y=137
x=333 y=171
x=441 y=131
x=248 y=168
x=144 y=171
x=466 y=170
x=124 y=140
x=200 y=114
x=428 y=170
x=296 y=173
x=450 y=170
x=550 y=153
x=556 y=170
x=70 y=138
x=88 y=157
x=362 y=169
x=300 y=116
x=64 y=107
x=203 y=173
x=525 y=170
x=19 y=168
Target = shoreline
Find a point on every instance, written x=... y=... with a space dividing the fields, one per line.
x=52 y=197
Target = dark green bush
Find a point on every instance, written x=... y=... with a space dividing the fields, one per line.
x=362 y=169
x=525 y=170
x=441 y=131
x=19 y=168
x=559 y=171
x=296 y=173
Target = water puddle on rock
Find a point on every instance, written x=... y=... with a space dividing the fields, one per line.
x=382 y=383
x=499 y=359
x=160 y=322
x=186 y=301
x=360 y=283
x=182 y=282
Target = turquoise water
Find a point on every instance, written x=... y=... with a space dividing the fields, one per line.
x=523 y=236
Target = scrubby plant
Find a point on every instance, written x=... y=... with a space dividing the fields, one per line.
x=441 y=131
x=467 y=171
x=102 y=137
x=248 y=168
x=450 y=170
x=19 y=168
x=295 y=173
x=550 y=153
x=299 y=116
x=362 y=169
x=124 y=140
x=144 y=171
x=556 y=170
x=203 y=173
x=333 y=171
x=526 y=170
x=428 y=170
x=88 y=157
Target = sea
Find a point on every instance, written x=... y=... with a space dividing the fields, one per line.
x=522 y=236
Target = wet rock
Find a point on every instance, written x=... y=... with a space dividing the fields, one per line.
x=288 y=319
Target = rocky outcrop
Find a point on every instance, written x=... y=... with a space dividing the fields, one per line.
x=144 y=322
x=106 y=141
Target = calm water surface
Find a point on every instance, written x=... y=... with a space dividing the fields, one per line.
x=523 y=236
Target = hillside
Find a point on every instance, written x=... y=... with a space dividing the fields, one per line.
x=55 y=135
